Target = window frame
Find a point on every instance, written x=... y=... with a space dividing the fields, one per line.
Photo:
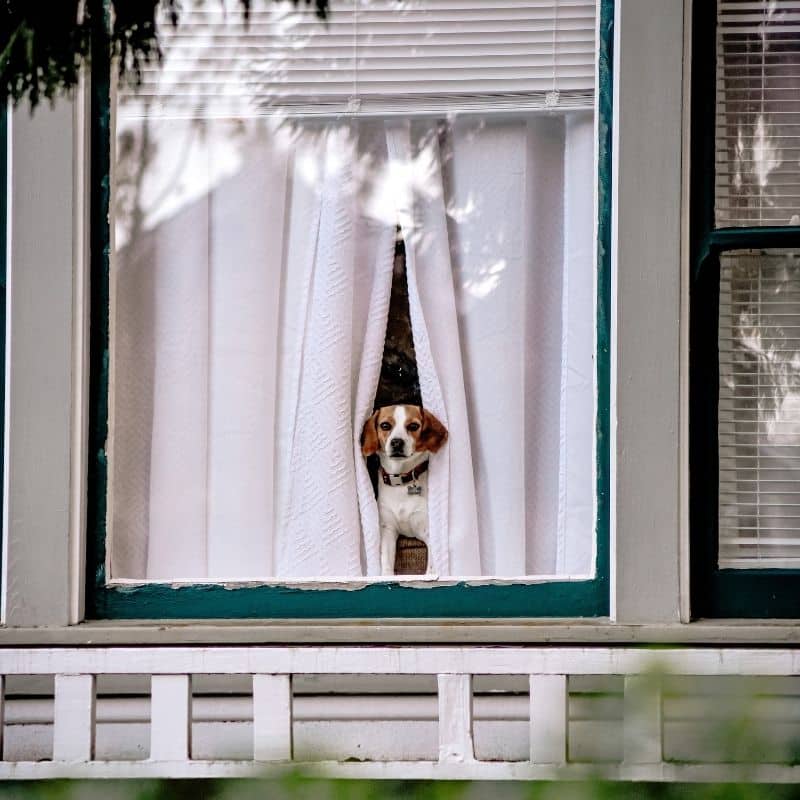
x=44 y=556
x=558 y=598
x=718 y=593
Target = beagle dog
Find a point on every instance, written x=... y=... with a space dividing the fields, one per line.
x=403 y=436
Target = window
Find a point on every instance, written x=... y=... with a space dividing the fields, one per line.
x=273 y=187
x=745 y=309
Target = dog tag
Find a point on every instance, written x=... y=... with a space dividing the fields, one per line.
x=414 y=489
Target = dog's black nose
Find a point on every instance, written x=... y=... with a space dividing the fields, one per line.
x=396 y=444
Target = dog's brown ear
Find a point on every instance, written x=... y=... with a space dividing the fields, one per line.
x=433 y=435
x=369 y=436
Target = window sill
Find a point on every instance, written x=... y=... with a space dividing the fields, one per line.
x=238 y=632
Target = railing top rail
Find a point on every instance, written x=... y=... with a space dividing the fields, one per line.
x=381 y=660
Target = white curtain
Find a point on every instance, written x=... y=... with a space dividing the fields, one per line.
x=521 y=215
x=249 y=325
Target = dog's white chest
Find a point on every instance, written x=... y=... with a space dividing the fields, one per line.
x=406 y=512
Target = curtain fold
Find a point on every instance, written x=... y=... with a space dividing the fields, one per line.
x=486 y=181
x=374 y=270
x=319 y=534
x=178 y=488
x=212 y=328
x=576 y=510
x=244 y=292
x=452 y=511
x=524 y=271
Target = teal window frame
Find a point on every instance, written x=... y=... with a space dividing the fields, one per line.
x=558 y=598
x=715 y=592
x=4 y=120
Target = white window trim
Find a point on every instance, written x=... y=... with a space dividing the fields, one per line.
x=46 y=348
x=46 y=342
x=645 y=275
x=684 y=575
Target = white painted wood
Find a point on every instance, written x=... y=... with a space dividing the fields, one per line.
x=170 y=717
x=421 y=770
x=39 y=387
x=328 y=708
x=315 y=740
x=2 y=714
x=593 y=738
x=724 y=633
x=455 y=719
x=645 y=248
x=642 y=720
x=81 y=206
x=74 y=718
x=549 y=711
x=272 y=717
x=427 y=660
x=683 y=431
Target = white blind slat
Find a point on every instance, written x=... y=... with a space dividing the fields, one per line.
x=757 y=113
x=371 y=56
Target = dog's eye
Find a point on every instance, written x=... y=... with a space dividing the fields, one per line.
x=386 y=426
x=414 y=426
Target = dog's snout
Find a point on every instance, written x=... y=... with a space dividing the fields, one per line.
x=396 y=444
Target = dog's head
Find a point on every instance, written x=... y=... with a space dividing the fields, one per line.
x=401 y=431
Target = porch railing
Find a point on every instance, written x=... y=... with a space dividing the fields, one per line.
x=74 y=672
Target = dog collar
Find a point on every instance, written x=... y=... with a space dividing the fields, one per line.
x=405 y=477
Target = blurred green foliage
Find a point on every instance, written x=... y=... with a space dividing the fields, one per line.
x=297 y=787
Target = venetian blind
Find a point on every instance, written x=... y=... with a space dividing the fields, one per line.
x=371 y=57
x=758 y=113
x=759 y=409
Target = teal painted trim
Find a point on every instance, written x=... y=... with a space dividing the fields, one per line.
x=702 y=146
x=605 y=108
x=703 y=436
x=754 y=594
x=98 y=334
x=703 y=316
x=715 y=592
x=373 y=601
x=745 y=238
x=721 y=239
x=589 y=598
x=4 y=122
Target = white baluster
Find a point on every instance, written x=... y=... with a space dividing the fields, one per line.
x=74 y=718
x=272 y=717
x=170 y=718
x=455 y=718
x=549 y=704
x=2 y=712
x=643 y=728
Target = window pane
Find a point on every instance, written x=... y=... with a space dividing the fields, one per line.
x=758 y=113
x=759 y=409
x=281 y=269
